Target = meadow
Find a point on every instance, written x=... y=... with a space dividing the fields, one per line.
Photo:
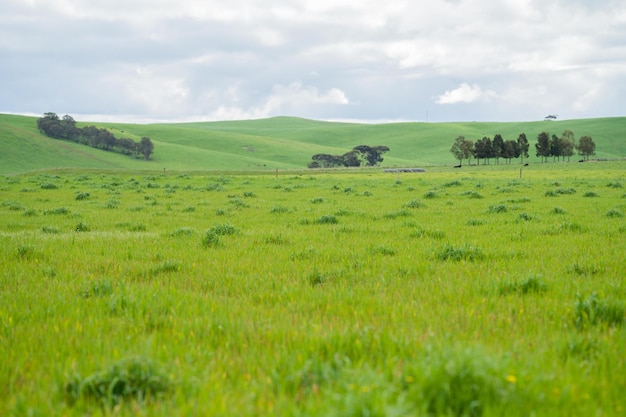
x=472 y=292
x=278 y=143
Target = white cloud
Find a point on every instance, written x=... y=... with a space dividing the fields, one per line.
x=465 y=93
x=392 y=59
x=283 y=100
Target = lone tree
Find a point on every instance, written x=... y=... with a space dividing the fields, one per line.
x=586 y=147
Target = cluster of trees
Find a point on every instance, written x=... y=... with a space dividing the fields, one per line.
x=487 y=149
x=359 y=155
x=546 y=146
x=65 y=128
x=564 y=146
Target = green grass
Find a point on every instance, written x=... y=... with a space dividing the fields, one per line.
x=314 y=293
x=277 y=143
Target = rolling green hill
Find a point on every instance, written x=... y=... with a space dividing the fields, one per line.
x=279 y=142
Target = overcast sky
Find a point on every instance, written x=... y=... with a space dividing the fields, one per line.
x=366 y=60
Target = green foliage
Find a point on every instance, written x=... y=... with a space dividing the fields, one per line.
x=498 y=208
x=530 y=285
x=82 y=196
x=135 y=379
x=415 y=203
x=459 y=253
x=464 y=382
x=327 y=219
x=614 y=213
x=211 y=238
x=81 y=227
x=592 y=311
x=224 y=229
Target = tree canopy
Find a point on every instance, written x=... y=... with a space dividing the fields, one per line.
x=359 y=155
x=65 y=128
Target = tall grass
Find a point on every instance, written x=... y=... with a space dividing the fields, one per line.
x=315 y=301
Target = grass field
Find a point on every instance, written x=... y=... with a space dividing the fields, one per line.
x=278 y=143
x=468 y=292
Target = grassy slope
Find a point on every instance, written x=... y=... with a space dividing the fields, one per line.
x=280 y=142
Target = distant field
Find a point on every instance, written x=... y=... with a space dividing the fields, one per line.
x=278 y=143
x=468 y=292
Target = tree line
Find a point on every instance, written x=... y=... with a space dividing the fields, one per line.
x=359 y=155
x=65 y=128
x=547 y=146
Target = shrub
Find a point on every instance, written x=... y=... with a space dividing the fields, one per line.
x=529 y=285
x=525 y=216
x=327 y=219
x=58 y=210
x=166 y=267
x=317 y=200
x=590 y=194
x=210 y=239
x=48 y=186
x=475 y=222
x=50 y=229
x=223 y=229
x=396 y=214
x=459 y=253
x=558 y=210
x=455 y=183
x=82 y=196
x=98 y=288
x=592 y=311
x=276 y=240
x=615 y=184
x=81 y=227
x=498 y=208
x=413 y=204
x=430 y=194
x=25 y=251
x=614 y=213
x=183 y=231
x=137 y=379
x=383 y=250
x=279 y=209
x=463 y=383
x=112 y=203
x=139 y=227
x=472 y=194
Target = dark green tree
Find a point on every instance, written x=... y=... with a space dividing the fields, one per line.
x=146 y=147
x=555 y=147
x=543 y=146
x=497 y=147
x=586 y=147
x=371 y=154
x=522 y=143
x=351 y=159
x=50 y=125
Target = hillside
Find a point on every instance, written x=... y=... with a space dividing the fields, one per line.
x=280 y=142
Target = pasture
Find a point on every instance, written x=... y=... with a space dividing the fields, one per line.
x=469 y=292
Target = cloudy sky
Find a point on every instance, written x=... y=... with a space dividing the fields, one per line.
x=366 y=60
